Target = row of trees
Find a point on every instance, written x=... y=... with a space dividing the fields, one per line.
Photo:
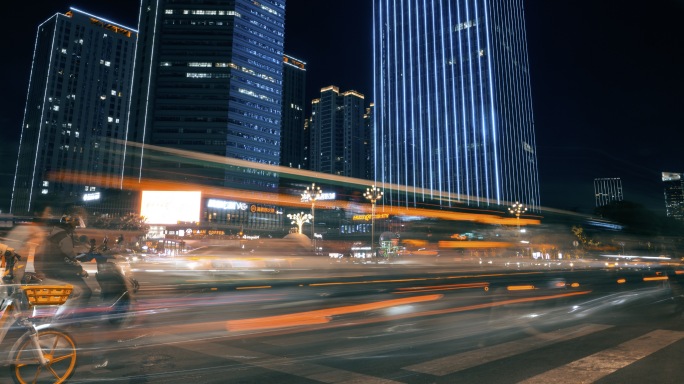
x=128 y=222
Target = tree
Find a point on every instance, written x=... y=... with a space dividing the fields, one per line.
x=639 y=220
x=127 y=222
x=299 y=219
x=582 y=237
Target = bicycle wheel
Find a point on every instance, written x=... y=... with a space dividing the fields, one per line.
x=58 y=348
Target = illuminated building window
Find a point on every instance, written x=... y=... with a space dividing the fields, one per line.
x=198 y=75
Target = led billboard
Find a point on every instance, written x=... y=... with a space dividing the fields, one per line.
x=170 y=207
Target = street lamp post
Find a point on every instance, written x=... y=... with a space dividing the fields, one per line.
x=517 y=209
x=373 y=194
x=312 y=194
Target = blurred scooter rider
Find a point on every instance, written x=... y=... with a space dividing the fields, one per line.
x=9 y=257
x=55 y=258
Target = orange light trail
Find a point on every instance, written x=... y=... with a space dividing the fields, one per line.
x=128 y=183
x=520 y=287
x=292 y=323
x=446 y=287
x=315 y=319
x=368 y=282
x=655 y=278
x=318 y=316
x=254 y=287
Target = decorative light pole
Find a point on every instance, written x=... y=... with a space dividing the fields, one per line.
x=373 y=194
x=312 y=194
x=517 y=209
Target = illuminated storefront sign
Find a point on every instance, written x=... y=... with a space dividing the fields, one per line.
x=226 y=204
x=91 y=196
x=258 y=209
x=324 y=196
x=190 y=232
x=368 y=217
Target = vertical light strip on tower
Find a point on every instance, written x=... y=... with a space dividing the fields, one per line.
x=454 y=110
x=404 y=111
x=444 y=153
x=464 y=117
x=493 y=120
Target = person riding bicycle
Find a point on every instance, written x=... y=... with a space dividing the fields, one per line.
x=56 y=259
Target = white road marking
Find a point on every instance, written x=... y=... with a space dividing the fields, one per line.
x=286 y=365
x=458 y=362
x=601 y=364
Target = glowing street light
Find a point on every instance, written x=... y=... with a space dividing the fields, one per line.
x=373 y=194
x=517 y=209
x=312 y=194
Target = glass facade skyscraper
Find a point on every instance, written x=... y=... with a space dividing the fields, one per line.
x=338 y=133
x=453 y=109
x=209 y=74
x=292 y=149
x=674 y=194
x=78 y=99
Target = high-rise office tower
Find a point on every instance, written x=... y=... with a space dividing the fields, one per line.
x=674 y=194
x=209 y=77
x=607 y=190
x=454 y=120
x=368 y=142
x=337 y=133
x=292 y=150
x=78 y=98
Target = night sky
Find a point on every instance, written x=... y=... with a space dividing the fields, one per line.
x=606 y=77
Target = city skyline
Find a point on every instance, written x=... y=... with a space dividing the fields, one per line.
x=604 y=85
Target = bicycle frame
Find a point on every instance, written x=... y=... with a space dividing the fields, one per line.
x=28 y=358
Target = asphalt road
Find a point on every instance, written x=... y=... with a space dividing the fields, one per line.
x=391 y=324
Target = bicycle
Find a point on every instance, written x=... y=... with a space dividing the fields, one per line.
x=42 y=353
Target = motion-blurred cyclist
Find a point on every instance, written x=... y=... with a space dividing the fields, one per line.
x=55 y=258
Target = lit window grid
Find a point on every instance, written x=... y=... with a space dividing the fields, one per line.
x=674 y=195
x=77 y=152
x=607 y=190
x=259 y=46
x=462 y=128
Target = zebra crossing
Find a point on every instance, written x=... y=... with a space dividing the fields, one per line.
x=461 y=361
x=446 y=369
x=585 y=352
x=601 y=364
